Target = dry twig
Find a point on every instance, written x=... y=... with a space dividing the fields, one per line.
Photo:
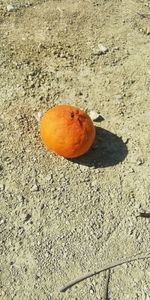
x=107 y=284
x=107 y=267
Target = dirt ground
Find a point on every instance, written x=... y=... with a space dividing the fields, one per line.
x=63 y=218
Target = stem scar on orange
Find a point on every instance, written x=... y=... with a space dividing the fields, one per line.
x=67 y=131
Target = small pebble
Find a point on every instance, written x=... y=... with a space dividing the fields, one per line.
x=49 y=177
x=27 y=217
x=34 y=188
x=1 y=222
x=115 y=48
x=148 y=31
x=38 y=116
x=46 y=255
x=2 y=186
x=131 y=170
x=140 y=161
x=92 y=289
x=94 y=115
x=119 y=97
x=101 y=50
x=11 y=8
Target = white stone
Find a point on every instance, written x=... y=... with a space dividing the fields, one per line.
x=2 y=186
x=34 y=188
x=11 y=8
x=94 y=115
x=38 y=116
x=102 y=48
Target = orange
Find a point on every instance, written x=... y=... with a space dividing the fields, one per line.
x=67 y=131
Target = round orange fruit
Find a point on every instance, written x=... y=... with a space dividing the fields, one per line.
x=67 y=131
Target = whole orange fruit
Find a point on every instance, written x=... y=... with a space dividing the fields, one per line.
x=67 y=131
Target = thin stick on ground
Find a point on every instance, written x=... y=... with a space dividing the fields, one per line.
x=107 y=279
x=107 y=267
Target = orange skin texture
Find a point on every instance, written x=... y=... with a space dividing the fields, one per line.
x=67 y=131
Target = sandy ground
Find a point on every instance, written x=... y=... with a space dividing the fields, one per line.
x=62 y=218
